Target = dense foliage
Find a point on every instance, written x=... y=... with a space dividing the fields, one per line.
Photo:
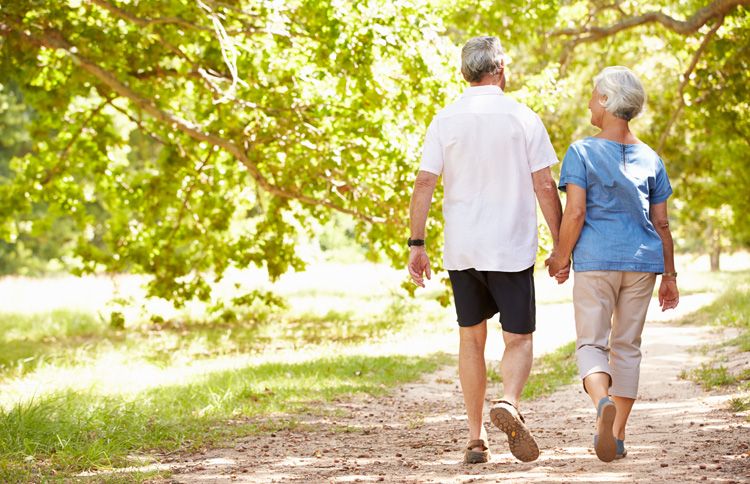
x=180 y=138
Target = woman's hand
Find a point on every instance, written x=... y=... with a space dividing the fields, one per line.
x=558 y=267
x=669 y=295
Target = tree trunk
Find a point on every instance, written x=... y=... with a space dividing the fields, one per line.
x=715 y=253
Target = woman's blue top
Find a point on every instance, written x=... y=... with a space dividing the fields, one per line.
x=621 y=181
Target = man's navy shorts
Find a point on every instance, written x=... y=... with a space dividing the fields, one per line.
x=479 y=295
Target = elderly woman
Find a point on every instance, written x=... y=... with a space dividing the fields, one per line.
x=615 y=224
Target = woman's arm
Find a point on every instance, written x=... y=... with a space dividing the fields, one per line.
x=570 y=229
x=669 y=295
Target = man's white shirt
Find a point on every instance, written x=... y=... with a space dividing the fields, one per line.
x=486 y=146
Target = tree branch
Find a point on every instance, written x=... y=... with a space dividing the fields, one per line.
x=146 y=22
x=684 y=83
x=138 y=123
x=741 y=134
x=717 y=9
x=186 y=198
x=53 y=39
x=55 y=170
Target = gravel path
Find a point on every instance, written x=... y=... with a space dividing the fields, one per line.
x=677 y=433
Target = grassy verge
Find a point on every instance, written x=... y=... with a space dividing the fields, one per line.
x=730 y=310
x=711 y=376
x=552 y=371
x=548 y=373
x=74 y=431
x=26 y=340
x=739 y=404
x=108 y=393
x=75 y=338
x=702 y=282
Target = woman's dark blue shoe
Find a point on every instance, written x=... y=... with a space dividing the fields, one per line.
x=604 y=441
x=621 y=451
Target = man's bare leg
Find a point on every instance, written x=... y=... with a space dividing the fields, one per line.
x=516 y=365
x=515 y=368
x=472 y=372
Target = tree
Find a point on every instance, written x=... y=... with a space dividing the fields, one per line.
x=254 y=119
x=185 y=137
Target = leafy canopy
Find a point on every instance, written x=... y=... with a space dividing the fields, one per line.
x=181 y=138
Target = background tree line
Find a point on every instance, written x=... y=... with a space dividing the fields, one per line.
x=181 y=138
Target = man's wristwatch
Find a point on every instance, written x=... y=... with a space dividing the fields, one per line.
x=415 y=242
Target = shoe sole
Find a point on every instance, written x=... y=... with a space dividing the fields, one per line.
x=521 y=442
x=606 y=447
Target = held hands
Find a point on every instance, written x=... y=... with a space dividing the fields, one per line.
x=558 y=267
x=419 y=265
x=669 y=295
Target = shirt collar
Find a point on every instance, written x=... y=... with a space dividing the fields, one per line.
x=482 y=91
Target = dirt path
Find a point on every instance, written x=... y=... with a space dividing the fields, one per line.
x=677 y=433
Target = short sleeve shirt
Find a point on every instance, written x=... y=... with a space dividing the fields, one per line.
x=622 y=181
x=486 y=146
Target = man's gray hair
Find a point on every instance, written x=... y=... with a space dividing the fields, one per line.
x=624 y=91
x=481 y=56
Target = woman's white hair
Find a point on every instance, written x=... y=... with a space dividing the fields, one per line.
x=624 y=91
x=481 y=56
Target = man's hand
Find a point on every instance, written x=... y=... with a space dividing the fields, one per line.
x=563 y=274
x=419 y=265
x=669 y=295
x=558 y=267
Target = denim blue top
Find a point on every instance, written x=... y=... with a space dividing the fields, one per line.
x=621 y=182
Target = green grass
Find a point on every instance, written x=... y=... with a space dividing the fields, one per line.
x=12 y=473
x=74 y=338
x=552 y=371
x=731 y=309
x=27 y=340
x=701 y=282
x=548 y=373
x=75 y=431
x=742 y=341
x=346 y=326
x=739 y=404
x=68 y=431
x=710 y=376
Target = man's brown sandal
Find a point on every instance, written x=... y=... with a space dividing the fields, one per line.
x=472 y=456
x=507 y=418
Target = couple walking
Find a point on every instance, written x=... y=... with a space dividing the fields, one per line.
x=494 y=155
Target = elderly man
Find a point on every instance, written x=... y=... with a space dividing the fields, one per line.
x=494 y=155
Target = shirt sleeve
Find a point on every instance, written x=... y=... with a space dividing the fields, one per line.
x=539 y=150
x=573 y=170
x=661 y=189
x=432 y=151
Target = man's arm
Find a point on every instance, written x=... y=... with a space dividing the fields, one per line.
x=421 y=199
x=669 y=295
x=549 y=201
